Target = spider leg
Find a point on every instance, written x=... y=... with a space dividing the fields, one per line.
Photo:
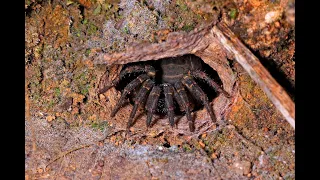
x=178 y=99
x=185 y=101
x=152 y=103
x=146 y=86
x=214 y=85
x=132 y=85
x=150 y=71
x=168 y=92
x=194 y=88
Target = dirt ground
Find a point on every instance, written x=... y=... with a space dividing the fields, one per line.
x=68 y=130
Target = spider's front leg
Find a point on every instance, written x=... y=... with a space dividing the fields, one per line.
x=146 y=86
x=152 y=103
x=178 y=100
x=149 y=70
x=185 y=102
x=131 y=86
x=168 y=93
x=194 y=88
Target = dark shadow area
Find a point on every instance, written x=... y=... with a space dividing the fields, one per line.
x=277 y=74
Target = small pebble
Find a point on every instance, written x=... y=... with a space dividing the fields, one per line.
x=101 y=96
x=272 y=16
x=214 y=156
x=204 y=135
x=40 y=170
x=202 y=145
x=242 y=167
x=50 y=118
x=173 y=148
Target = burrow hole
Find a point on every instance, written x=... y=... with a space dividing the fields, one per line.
x=161 y=110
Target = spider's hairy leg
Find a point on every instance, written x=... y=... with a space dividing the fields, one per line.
x=132 y=85
x=149 y=70
x=146 y=86
x=194 y=88
x=186 y=103
x=152 y=103
x=168 y=93
x=214 y=85
x=178 y=99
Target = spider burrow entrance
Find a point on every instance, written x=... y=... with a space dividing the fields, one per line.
x=180 y=85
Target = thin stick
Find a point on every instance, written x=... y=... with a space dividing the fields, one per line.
x=258 y=73
x=67 y=152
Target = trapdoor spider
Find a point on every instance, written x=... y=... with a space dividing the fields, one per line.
x=176 y=82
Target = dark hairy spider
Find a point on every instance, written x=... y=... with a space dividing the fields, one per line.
x=175 y=79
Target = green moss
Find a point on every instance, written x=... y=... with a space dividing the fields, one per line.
x=85 y=90
x=233 y=13
x=97 y=10
x=87 y=53
x=182 y=5
x=51 y=103
x=188 y=28
x=81 y=76
x=199 y=17
x=221 y=138
x=28 y=2
x=126 y=30
x=111 y=9
x=85 y=21
x=81 y=82
x=100 y=126
x=187 y=148
x=57 y=92
x=92 y=29
x=69 y=2
x=107 y=6
x=249 y=86
x=206 y=142
x=36 y=97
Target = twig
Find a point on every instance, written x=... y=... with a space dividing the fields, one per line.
x=258 y=73
x=67 y=152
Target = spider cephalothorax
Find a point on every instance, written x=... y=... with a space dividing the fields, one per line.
x=175 y=79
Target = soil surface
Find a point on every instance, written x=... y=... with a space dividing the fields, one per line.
x=68 y=130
